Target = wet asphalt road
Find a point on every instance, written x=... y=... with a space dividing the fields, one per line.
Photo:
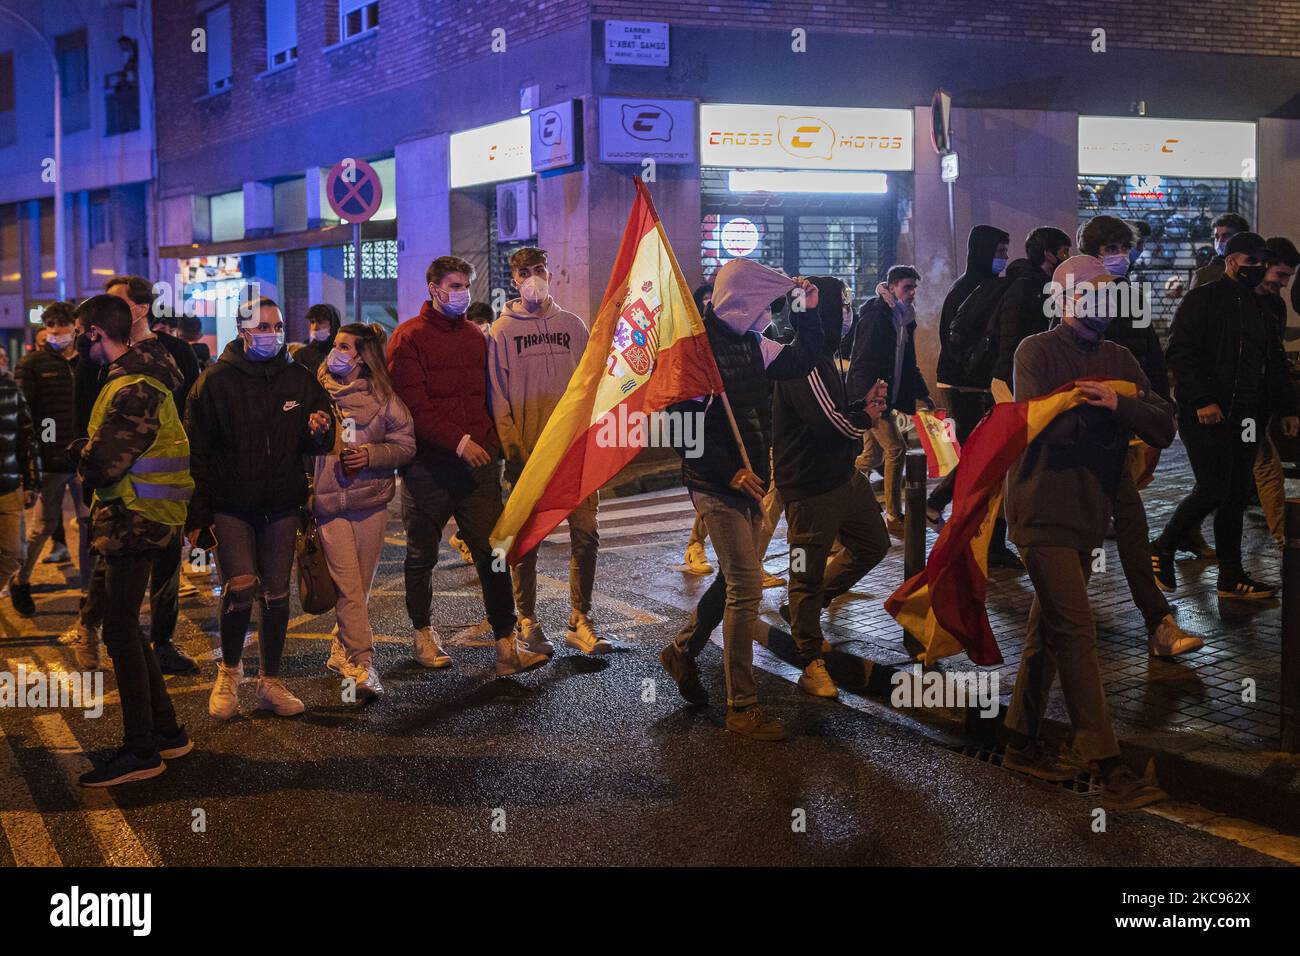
x=585 y=761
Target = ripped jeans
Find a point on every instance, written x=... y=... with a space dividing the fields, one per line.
x=255 y=555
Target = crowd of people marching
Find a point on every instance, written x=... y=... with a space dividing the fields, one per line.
x=172 y=458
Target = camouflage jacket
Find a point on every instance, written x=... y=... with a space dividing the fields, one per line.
x=130 y=425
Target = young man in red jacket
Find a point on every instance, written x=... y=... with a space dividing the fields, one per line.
x=438 y=362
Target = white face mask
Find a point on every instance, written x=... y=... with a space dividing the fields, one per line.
x=58 y=342
x=535 y=289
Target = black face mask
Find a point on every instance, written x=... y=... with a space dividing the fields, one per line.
x=83 y=348
x=1251 y=276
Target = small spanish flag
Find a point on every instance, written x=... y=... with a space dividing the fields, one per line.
x=647 y=350
x=943 y=606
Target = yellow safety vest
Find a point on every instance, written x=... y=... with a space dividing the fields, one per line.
x=158 y=484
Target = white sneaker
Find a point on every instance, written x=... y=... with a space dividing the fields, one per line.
x=338 y=658
x=533 y=638
x=697 y=562
x=582 y=637
x=428 y=649
x=223 y=702
x=367 y=679
x=274 y=696
x=1170 y=640
x=76 y=634
x=513 y=657
x=89 y=651
x=816 y=681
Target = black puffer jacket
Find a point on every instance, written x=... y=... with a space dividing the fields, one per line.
x=874 y=343
x=48 y=381
x=247 y=424
x=19 y=461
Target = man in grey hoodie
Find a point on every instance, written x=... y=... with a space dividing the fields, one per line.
x=533 y=349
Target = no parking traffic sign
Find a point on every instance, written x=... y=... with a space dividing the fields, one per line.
x=353 y=190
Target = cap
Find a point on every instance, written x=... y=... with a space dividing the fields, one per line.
x=1251 y=243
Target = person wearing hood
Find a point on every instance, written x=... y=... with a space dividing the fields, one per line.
x=135 y=462
x=1225 y=227
x=1229 y=368
x=323 y=321
x=352 y=486
x=696 y=561
x=533 y=349
x=251 y=417
x=884 y=349
x=987 y=248
x=1059 y=496
x=728 y=480
x=817 y=432
x=438 y=363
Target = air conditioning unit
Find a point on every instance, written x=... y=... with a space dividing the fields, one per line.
x=516 y=212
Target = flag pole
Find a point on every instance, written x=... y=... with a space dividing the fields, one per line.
x=641 y=188
x=735 y=431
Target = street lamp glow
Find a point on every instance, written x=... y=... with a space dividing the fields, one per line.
x=806 y=181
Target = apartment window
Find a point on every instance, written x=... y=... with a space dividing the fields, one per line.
x=281 y=32
x=74 y=79
x=217 y=24
x=8 y=101
x=357 y=16
x=101 y=221
x=227 y=211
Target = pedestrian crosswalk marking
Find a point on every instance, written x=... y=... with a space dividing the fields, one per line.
x=113 y=835
x=24 y=827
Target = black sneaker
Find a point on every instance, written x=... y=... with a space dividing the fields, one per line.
x=21 y=597
x=1245 y=589
x=172 y=661
x=784 y=611
x=177 y=745
x=1162 y=566
x=1037 y=763
x=1194 y=543
x=123 y=767
x=1122 y=789
x=681 y=667
x=1005 y=558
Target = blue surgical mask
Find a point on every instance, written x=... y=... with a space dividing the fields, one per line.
x=264 y=345
x=58 y=342
x=1116 y=264
x=1221 y=246
x=341 y=364
x=457 y=302
x=322 y=334
x=999 y=265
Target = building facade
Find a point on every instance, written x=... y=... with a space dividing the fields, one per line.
x=103 y=56
x=794 y=132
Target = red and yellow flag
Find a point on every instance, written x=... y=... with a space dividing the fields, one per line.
x=943 y=606
x=647 y=350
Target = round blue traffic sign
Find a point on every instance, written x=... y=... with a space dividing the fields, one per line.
x=353 y=190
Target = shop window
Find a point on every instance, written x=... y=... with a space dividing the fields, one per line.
x=357 y=17
x=281 y=32
x=378 y=259
x=74 y=79
x=8 y=101
x=1180 y=212
x=217 y=23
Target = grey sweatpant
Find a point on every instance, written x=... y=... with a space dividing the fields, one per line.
x=353 y=544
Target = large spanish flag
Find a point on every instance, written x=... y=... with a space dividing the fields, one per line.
x=943 y=606
x=647 y=350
